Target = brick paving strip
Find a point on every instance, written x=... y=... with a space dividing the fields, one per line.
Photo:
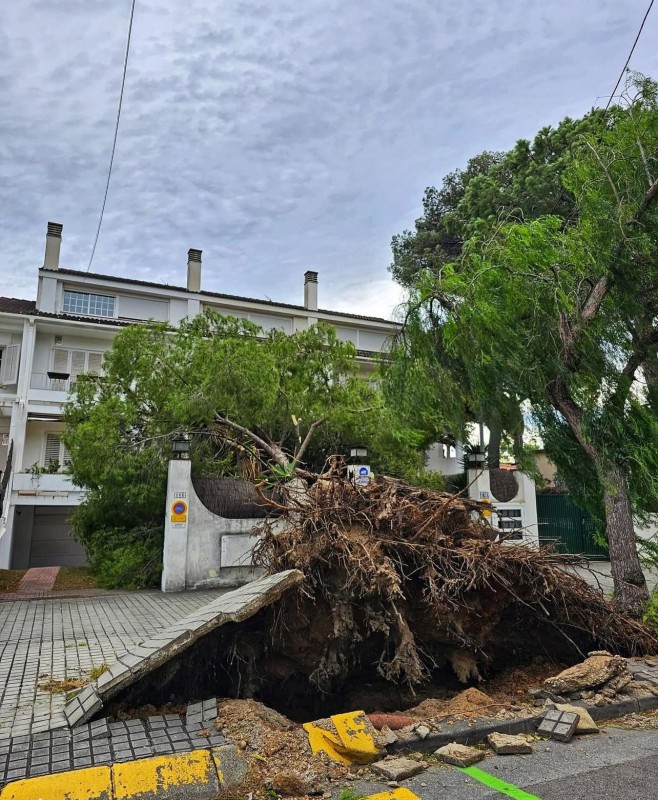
x=38 y=580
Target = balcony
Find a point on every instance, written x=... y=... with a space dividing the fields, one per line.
x=45 y=489
x=43 y=381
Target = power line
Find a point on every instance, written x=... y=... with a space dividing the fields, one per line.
x=116 y=134
x=630 y=55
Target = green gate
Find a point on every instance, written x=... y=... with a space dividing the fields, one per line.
x=563 y=524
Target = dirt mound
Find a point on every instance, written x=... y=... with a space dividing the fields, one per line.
x=278 y=749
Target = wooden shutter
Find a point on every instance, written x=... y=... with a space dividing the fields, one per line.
x=53 y=446
x=9 y=367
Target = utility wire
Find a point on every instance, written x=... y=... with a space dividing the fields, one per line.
x=116 y=134
x=630 y=55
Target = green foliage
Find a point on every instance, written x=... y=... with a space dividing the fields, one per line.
x=651 y=613
x=125 y=559
x=243 y=396
x=426 y=378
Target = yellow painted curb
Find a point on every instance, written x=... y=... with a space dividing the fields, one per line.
x=351 y=741
x=321 y=740
x=354 y=736
x=94 y=783
x=394 y=794
x=170 y=776
x=152 y=776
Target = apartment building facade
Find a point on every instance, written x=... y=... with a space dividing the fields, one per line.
x=46 y=343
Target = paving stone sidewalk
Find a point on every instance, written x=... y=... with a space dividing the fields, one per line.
x=100 y=744
x=55 y=639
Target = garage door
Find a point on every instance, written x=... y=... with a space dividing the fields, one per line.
x=53 y=544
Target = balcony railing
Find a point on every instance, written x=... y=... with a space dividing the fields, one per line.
x=42 y=381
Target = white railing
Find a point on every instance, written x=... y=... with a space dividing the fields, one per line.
x=40 y=380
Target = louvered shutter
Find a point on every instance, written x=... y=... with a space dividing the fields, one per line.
x=9 y=367
x=53 y=442
x=60 y=360
x=78 y=363
x=95 y=362
x=66 y=456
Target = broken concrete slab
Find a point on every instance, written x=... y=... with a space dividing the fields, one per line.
x=151 y=654
x=558 y=725
x=595 y=671
x=586 y=724
x=459 y=755
x=398 y=769
x=504 y=744
x=348 y=738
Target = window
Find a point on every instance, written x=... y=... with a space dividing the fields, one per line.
x=71 y=363
x=55 y=451
x=510 y=522
x=9 y=358
x=93 y=305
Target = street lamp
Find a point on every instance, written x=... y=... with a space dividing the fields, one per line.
x=180 y=447
x=476 y=459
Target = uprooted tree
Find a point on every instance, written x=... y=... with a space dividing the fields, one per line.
x=406 y=586
x=563 y=317
x=257 y=405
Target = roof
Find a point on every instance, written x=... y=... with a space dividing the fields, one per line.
x=267 y=303
x=14 y=305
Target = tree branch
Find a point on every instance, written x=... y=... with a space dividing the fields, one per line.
x=276 y=453
x=307 y=439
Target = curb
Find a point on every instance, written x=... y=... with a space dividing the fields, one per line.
x=197 y=775
x=463 y=733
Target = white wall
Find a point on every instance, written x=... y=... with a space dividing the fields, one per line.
x=445 y=464
x=34 y=441
x=202 y=550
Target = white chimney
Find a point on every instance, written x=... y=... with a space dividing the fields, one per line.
x=194 y=270
x=311 y=290
x=53 y=244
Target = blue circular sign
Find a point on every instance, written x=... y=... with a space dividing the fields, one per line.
x=363 y=470
x=179 y=507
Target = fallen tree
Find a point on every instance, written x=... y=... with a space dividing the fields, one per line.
x=403 y=582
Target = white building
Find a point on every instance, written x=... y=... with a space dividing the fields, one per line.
x=45 y=344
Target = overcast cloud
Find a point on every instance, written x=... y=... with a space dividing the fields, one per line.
x=275 y=136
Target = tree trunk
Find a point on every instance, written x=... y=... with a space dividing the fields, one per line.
x=495 y=426
x=631 y=593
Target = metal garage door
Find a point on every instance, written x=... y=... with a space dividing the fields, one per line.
x=53 y=544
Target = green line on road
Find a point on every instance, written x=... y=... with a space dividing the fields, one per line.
x=499 y=786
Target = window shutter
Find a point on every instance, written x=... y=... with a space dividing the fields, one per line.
x=60 y=360
x=66 y=456
x=95 y=362
x=53 y=442
x=9 y=366
x=78 y=363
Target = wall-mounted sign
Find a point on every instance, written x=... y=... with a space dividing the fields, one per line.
x=179 y=511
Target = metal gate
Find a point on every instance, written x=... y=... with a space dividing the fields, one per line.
x=563 y=524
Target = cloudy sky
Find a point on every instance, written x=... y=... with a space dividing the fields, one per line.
x=275 y=135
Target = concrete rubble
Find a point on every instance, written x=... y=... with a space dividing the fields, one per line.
x=586 y=724
x=459 y=755
x=398 y=769
x=558 y=725
x=504 y=744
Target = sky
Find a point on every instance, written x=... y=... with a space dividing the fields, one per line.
x=276 y=136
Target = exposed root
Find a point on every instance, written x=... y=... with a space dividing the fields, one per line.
x=401 y=580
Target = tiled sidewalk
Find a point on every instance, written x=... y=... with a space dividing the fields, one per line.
x=54 y=639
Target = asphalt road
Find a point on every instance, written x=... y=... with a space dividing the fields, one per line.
x=612 y=765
